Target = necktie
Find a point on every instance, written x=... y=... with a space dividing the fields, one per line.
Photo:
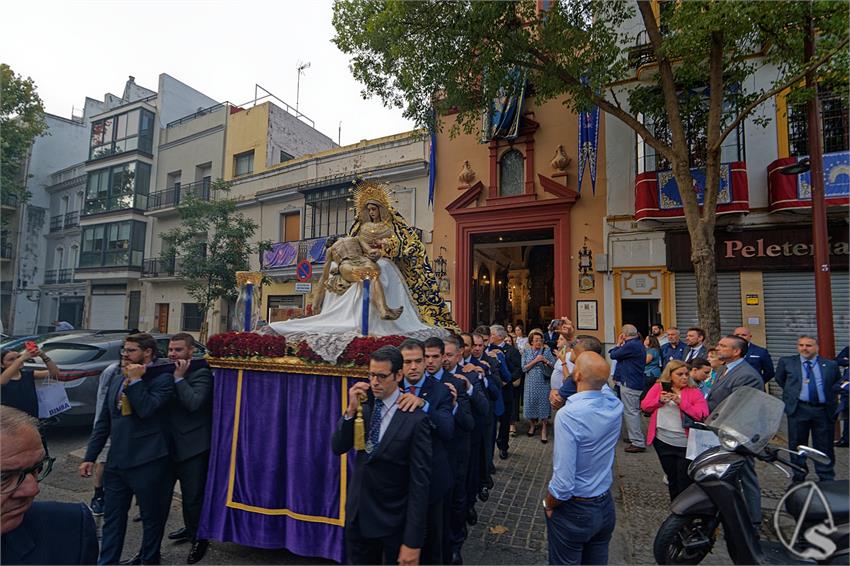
x=690 y=355
x=413 y=389
x=375 y=427
x=813 y=386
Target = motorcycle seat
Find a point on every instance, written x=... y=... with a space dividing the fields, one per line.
x=835 y=493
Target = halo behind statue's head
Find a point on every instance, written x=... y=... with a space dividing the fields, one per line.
x=370 y=192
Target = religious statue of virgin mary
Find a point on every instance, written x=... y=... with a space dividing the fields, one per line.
x=404 y=297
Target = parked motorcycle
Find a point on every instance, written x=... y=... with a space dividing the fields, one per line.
x=745 y=422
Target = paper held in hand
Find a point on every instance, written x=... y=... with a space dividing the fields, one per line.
x=699 y=441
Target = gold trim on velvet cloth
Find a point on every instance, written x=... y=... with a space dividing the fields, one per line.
x=288 y=364
x=343 y=476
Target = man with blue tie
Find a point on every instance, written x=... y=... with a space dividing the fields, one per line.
x=807 y=382
x=388 y=493
x=436 y=400
x=757 y=356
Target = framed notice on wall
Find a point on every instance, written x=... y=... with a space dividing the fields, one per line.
x=586 y=315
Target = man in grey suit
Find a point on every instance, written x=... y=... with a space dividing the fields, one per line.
x=807 y=382
x=732 y=350
x=190 y=429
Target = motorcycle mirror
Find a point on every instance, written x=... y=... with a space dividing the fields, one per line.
x=815 y=455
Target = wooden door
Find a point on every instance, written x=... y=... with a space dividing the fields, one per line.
x=162 y=317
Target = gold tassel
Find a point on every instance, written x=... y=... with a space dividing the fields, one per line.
x=126 y=408
x=360 y=427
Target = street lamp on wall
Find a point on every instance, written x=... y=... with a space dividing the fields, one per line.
x=440 y=265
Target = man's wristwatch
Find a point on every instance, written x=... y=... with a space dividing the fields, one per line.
x=546 y=507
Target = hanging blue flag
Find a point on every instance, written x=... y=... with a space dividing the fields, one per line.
x=432 y=166
x=588 y=144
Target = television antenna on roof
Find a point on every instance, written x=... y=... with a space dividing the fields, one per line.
x=300 y=68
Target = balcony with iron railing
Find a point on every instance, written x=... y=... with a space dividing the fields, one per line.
x=172 y=196
x=7 y=251
x=286 y=255
x=59 y=276
x=64 y=221
x=9 y=199
x=160 y=267
x=117 y=202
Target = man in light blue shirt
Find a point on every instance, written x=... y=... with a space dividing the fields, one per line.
x=579 y=508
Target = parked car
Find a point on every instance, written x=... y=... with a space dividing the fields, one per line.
x=81 y=359
x=17 y=342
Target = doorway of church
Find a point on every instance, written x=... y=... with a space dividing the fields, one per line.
x=643 y=313
x=513 y=278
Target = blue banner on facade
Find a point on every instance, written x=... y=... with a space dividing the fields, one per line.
x=668 y=189
x=836 y=177
x=432 y=166
x=501 y=121
x=588 y=145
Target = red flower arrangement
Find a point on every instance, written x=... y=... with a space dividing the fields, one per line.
x=358 y=350
x=306 y=353
x=246 y=345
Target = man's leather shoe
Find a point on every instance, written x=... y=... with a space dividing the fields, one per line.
x=457 y=558
x=840 y=444
x=484 y=494
x=179 y=535
x=503 y=454
x=199 y=548
x=472 y=517
x=135 y=559
x=632 y=449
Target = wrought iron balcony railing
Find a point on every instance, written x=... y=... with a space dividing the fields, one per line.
x=58 y=276
x=172 y=196
x=161 y=267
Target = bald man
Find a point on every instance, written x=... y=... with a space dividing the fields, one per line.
x=630 y=355
x=757 y=356
x=579 y=510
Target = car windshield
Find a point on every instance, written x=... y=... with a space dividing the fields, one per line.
x=748 y=415
x=64 y=354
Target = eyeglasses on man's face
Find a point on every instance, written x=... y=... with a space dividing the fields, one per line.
x=10 y=480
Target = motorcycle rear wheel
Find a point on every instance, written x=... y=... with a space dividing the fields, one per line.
x=684 y=539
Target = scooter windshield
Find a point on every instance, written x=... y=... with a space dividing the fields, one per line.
x=748 y=418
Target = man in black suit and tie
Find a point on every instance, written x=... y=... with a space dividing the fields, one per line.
x=134 y=419
x=43 y=532
x=807 y=382
x=513 y=364
x=695 y=340
x=731 y=350
x=387 y=503
x=190 y=429
x=435 y=399
x=476 y=403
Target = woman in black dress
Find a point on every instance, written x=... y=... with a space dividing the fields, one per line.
x=17 y=383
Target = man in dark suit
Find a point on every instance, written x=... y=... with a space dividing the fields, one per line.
x=674 y=349
x=513 y=363
x=757 y=356
x=436 y=400
x=134 y=419
x=473 y=388
x=36 y=532
x=695 y=340
x=190 y=429
x=388 y=493
x=731 y=350
x=808 y=382
x=493 y=383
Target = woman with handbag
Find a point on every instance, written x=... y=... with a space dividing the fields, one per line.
x=673 y=404
x=537 y=363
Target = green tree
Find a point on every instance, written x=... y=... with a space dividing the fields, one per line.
x=458 y=55
x=21 y=121
x=211 y=244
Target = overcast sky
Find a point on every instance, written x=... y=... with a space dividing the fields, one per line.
x=73 y=49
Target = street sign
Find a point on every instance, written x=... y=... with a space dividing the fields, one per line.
x=303 y=287
x=304 y=271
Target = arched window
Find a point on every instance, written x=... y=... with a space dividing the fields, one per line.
x=59 y=257
x=511 y=174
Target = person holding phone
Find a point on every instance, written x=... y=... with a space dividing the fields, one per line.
x=673 y=403
x=17 y=383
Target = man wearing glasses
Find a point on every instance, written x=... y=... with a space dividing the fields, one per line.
x=133 y=418
x=387 y=503
x=45 y=532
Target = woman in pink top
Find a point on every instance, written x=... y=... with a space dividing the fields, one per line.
x=668 y=402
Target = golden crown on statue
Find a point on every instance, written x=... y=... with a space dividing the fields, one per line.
x=371 y=191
